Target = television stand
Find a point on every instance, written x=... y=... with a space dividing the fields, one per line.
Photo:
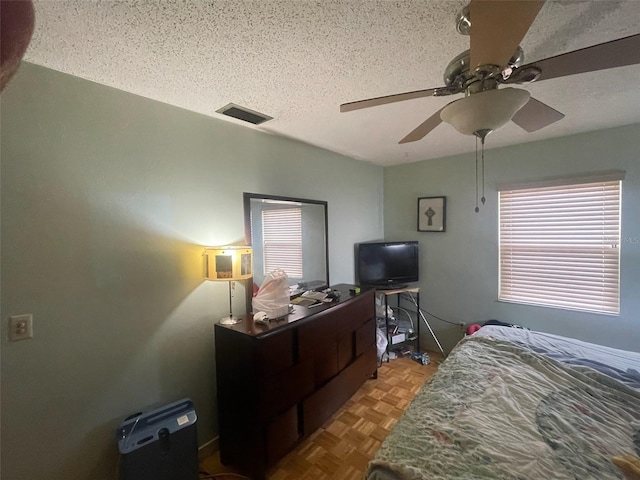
x=396 y=286
x=416 y=303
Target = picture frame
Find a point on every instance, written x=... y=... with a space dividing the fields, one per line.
x=432 y=214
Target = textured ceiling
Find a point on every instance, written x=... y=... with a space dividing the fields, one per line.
x=298 y=60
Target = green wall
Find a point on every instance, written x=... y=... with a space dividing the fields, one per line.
x=107 y=200
x=459 y=268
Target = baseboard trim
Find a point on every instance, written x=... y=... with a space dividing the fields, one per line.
x=208 y=448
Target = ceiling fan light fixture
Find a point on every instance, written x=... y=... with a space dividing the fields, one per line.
x=484 y=112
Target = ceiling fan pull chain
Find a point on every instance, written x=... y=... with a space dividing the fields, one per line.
x=477 y=209
x=482 y=199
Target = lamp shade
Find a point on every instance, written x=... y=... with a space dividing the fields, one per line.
x=228 y=263
x=485 y=111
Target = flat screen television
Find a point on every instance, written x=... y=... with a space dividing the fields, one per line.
x=387 y=264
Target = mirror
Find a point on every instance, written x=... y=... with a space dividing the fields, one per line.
x=288 y=233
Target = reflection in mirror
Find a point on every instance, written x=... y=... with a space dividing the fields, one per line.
x=291 y=234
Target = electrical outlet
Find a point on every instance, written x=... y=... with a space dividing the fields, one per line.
x=462 y=327
x=20 y=327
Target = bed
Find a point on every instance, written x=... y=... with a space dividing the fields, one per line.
x=511 y=403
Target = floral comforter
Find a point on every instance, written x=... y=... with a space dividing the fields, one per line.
x=496 y=410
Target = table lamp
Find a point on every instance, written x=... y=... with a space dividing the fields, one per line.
x=229 y=264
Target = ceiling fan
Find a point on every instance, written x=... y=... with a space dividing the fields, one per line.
x=495 y=58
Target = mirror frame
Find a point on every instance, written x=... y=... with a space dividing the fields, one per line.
x=247 y=197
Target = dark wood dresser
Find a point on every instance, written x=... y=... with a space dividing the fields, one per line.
x=278 y=383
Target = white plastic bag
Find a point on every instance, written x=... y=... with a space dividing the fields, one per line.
x=273 y=296
x=381 y=344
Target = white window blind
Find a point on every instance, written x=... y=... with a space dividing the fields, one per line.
x=559 y=245
x=282 y=239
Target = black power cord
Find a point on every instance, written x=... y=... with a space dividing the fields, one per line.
x=207 y=475
x=457 y=324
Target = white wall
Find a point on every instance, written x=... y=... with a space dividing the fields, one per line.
x=107 y=200
x=459 y=268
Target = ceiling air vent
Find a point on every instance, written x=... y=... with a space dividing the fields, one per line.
x=243 y=113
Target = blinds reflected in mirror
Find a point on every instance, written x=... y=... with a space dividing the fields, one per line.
x=282 y=239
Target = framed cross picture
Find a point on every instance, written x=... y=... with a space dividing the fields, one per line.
x=432 y=214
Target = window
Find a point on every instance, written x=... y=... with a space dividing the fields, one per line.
x=282 y=238
x=559 y=243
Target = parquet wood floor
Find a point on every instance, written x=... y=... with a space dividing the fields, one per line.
x=343 y=446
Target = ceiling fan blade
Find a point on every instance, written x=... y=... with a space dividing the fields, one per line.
x=374 y=102
x=423 y=129
x=617 y=53
x=536 y=115
x=498 y=27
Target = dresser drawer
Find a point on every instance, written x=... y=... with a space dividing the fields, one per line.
x=365 y=337
x=325 y=362
x=282 y=434
x=352 y=315
x=345 y=349
x=315 y=335
x=282 y=391
x=324 y=402
x=274 y=354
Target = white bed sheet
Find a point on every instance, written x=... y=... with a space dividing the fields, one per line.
x=621 y=365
